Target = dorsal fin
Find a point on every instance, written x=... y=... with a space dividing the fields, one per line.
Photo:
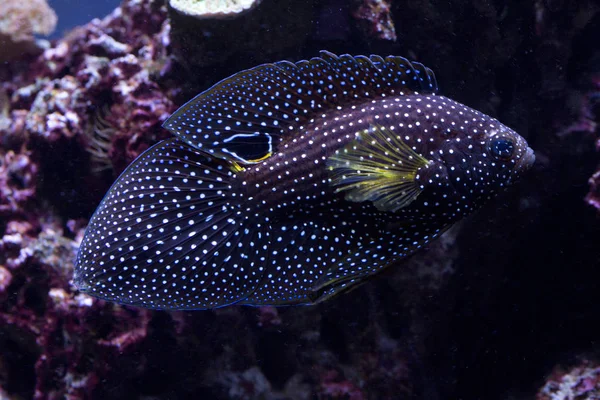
x=244 y=117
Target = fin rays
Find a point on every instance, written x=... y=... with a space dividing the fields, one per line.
x=191 y=247
x=377 y=167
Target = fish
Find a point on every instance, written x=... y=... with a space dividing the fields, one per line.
x=290 y=183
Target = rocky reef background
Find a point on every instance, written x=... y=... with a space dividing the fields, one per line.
x=504 y=306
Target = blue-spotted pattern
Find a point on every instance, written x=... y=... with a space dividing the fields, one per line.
x=245 y=116
x=289 y=183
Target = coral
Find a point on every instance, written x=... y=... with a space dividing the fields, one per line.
x=332 y=387
x=589 y=121
x=64 y=328
x=263 y=34
x=212 y=8
x=18 y=179
x=587 y=124
x=375 y=19
x=56 y=109
x=593 y=196
x=268 y=317
x=99 y=87
x=5 y=278
x=588 y=112
x=580 y=382
x=100 y=134
x=19 y=21
x=246 y=385
x=47 y=110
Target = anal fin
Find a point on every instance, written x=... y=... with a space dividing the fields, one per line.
x=356 y=268
x=300 y=252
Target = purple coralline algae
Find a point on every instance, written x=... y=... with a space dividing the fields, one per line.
x=374 y=19
x=593 y=196
x=111 y=70
x=18 y=179
x=590 y=122
x=586 y=124
x=580 y=382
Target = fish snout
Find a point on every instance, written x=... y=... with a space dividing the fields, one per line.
x=527 y=161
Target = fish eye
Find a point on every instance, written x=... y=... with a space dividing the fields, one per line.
x=502 y=148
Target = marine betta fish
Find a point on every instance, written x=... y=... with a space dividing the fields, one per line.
x=291 y=182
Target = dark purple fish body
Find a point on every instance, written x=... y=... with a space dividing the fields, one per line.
x=290 y=183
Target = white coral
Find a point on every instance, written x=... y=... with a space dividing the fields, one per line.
x=213 y=8
x=20 y=20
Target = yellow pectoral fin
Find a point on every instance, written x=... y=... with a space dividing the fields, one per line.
x=379 y=167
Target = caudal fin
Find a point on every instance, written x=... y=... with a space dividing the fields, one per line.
x=172 y=233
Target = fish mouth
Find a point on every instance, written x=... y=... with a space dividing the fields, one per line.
x=527 y=161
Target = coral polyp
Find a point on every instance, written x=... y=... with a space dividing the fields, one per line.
x=101 y=135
